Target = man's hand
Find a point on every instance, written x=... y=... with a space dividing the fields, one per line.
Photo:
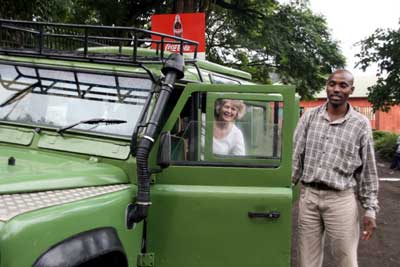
x=369 y=226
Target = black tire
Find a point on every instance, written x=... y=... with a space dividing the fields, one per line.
x=114 y=259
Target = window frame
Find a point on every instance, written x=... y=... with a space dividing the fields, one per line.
x=228 y=174
x=213 y=160
x=212 y=77
x=232 y=159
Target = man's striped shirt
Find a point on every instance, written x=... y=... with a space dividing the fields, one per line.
x=339 y=154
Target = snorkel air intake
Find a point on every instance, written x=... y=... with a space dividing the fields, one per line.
x=173 y=70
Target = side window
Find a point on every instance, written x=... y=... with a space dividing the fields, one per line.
x=247 y=129
x=186 y=133
x=228 y=139
x=229 y=130
x=217 y=79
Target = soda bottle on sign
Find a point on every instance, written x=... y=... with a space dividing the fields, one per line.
x=178 y=27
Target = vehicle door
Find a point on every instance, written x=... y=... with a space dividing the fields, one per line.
x=224 y=210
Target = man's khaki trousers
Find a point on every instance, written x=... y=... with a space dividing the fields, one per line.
x=333 y=214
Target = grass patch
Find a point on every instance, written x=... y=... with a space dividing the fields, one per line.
x=385 y=144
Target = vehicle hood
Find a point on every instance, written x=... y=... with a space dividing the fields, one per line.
x=39 y=171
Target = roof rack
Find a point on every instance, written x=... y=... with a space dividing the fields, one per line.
x=79 y=42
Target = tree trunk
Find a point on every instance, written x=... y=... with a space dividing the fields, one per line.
x=180 y=4
x=189 y=6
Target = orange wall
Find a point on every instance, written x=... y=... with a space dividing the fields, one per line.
x=389 y=121
x=383 y=121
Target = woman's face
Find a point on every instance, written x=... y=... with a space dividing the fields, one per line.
x=228 y=112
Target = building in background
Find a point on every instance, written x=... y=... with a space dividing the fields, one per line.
x=383 y=121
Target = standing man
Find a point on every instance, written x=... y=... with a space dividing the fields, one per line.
x=396 y=161
x=334 y=161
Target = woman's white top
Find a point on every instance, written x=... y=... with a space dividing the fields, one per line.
x=232 y=144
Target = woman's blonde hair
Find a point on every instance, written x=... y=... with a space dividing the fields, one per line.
x=239 y=104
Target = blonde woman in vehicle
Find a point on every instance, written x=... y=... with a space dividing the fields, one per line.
x=227 y=137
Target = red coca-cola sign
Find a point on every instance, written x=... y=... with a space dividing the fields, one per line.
x=185 y=25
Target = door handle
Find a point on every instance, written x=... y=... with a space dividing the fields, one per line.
x=267 y=215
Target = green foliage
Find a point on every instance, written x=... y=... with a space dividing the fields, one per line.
x=379 y=134
x=17 y=9
x=385 y=144
x=383 y=48
x=262 y=37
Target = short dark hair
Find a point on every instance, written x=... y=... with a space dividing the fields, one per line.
x=342 y=71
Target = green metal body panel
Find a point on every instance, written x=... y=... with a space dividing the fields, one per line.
x=36 y=170
x=39 y=169
x=24 y=238
x=16 y=136
x=209 y=226
x=296 y=115
x=200 y=213
x=83 y=145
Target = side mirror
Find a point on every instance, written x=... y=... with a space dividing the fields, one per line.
x=164 y=150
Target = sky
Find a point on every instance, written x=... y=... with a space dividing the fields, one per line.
x=353 y=20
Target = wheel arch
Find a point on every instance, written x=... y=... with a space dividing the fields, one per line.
x=85 y=247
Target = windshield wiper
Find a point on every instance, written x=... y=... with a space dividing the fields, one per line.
x=91 y=121
x=19 y=95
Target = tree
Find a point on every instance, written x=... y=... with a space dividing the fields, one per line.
x=258 y=36
x=382 y=48
x=264 y=37
x=16 y=9
x=51 y=10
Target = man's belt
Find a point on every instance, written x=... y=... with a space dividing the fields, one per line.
x=319 y=186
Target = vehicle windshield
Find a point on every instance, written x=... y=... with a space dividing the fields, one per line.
x=57 y=98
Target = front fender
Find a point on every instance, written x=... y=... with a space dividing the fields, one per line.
x=83 y=247
x=26 y=237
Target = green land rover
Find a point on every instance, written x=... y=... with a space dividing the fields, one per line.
x=107 y=154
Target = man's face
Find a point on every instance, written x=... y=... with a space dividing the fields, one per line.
x=339 y=87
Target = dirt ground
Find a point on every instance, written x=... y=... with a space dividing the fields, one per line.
x=383 y=250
